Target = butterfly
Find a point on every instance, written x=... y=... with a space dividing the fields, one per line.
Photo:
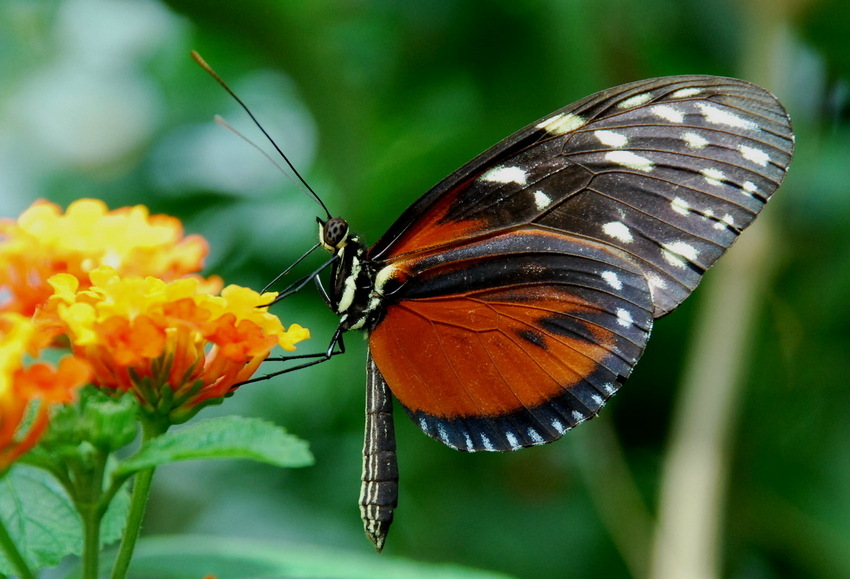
x=512 y=300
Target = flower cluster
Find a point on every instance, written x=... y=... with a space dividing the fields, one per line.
x=26 y=391
x=43 y=242
x=171 y=343
x=120 y=289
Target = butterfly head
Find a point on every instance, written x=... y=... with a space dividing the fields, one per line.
x=333 y=233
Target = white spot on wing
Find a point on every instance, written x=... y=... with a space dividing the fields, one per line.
x=727 y=222
x=485 y=442
x=624 y=318
x=630 y=160
x=757 y=156
x=618 y=230
x=655 y=282
x=469 y=445
x=612 y=279
x=611 y=138
x=578 y=416
x=512 y=439
x=535 y=436
x=678 y=253
x=444 y=436
x=694 y=140
x=561 y=124
x=686 y=92
x=680 y=206
x=558 y=426
x=668 y=113
x=609 y=388
x=749 y=187
x=541 y=200
x=501 y=174
x=717 y=116
x=713 y=176
x=597 y=399
x=635 y=101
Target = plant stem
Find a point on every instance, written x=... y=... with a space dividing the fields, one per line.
x=91 y=541
x=11 y=551
x=138 y=502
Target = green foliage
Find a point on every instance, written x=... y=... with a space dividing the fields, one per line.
x=43 y=522
x=186 y=557
x=231 y=437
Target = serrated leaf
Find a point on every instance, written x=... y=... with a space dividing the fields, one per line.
x=42 y=520
x=225 y=437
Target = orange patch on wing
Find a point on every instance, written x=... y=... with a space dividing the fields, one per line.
x=433 y=229
x=466 y=355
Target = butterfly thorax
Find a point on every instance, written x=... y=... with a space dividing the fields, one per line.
x=353 y=294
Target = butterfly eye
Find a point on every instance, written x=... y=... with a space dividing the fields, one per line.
x=334 y=233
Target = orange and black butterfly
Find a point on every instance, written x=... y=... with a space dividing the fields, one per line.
x=511 y=301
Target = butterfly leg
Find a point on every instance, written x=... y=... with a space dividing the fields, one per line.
x=335 y=347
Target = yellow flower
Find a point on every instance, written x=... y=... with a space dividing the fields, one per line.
x=30 y=388
x=44 y=242
x=171 y=343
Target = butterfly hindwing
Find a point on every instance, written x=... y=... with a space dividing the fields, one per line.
x=511 y=341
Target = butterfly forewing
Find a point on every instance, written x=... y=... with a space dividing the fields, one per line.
x=670 y=170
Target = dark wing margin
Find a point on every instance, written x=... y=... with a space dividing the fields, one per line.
x=512 y=341
x=669 y=170
x=379 y=488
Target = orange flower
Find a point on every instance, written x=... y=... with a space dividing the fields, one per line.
x=44 y=242
x=29 y=389
x=175 y=346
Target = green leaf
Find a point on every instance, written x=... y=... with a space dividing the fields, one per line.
x=39 y=516
x=191 y=557
x=43 y=521
x=225 y=437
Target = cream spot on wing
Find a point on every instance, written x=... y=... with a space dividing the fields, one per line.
x=630 y=160
x=611 y=138
x=561 y=123
x=541 y=200
x=757 y=156
x=624 y=318
x=678 y=252
x=713 y=176
x=635 y=101
x=619 y=231
x=694 y=140
x=686 y=92
x=727 y=222
x=612 y=279
x=501 y=174
x=718 y=116
x=668 y=113
x=680 y=206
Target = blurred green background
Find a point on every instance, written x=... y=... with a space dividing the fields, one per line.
x=375 y=101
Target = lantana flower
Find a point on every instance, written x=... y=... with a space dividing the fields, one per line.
x=175 y=346
x=30 y=389
x=43 y=241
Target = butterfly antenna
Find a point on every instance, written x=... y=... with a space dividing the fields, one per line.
x=203 y=64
